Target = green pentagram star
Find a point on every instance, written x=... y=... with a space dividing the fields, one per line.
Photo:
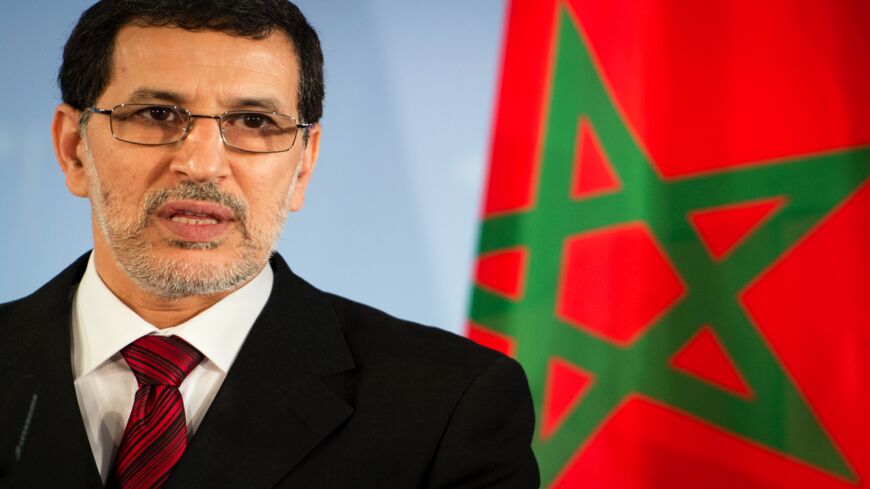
x=812 y=186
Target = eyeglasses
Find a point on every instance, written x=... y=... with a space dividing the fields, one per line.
x=245 y=130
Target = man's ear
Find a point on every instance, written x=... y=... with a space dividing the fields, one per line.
x=309 y=161
x=69 y=148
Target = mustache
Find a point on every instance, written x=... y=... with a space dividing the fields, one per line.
x=206 y=192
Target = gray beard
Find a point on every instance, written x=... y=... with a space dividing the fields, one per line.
x=174 y=279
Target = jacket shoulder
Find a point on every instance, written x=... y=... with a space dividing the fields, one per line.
x=375 y=335
x=24 y=320
x=467 y=408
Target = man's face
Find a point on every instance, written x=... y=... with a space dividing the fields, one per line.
x=194 y=217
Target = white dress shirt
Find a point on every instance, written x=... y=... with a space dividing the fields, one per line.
x=102 y=325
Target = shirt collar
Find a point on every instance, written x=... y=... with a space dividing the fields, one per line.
x=103 y=325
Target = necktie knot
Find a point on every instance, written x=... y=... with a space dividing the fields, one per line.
x=161 y=360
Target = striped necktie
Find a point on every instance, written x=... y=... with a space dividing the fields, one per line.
x=156 y=433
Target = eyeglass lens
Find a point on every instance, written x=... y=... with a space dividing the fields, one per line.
x=164 y=124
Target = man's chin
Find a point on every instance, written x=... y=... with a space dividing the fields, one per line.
x=194 y=245
x=184 y=279
x=192 y=268
x=215 y=252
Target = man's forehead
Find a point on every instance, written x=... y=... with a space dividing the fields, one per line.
x=175 y=65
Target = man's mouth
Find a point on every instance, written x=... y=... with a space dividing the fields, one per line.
x=191 y=220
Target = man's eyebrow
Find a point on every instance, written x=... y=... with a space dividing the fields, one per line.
x=146 y=94
x=151 y=94
x=268 y=104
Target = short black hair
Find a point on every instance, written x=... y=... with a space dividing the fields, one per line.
x=87 y=56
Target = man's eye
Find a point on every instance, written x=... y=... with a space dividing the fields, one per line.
x=256 y=121
x=159 y=114
x=152 y=114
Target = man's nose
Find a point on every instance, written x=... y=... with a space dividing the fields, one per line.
x=202 y=156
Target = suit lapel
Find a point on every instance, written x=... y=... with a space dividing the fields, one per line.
x=274 y=406
x=40 y=410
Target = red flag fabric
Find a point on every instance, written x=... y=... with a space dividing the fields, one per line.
x=675 y=240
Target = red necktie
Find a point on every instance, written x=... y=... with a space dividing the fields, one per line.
x=156 y=433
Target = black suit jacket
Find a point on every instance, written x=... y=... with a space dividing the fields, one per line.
x=325 y=393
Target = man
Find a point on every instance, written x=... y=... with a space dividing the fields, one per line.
x=181 y=352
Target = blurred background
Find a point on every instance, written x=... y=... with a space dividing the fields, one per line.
x=391 y=218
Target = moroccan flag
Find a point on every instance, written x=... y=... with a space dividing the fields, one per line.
x=676 y=240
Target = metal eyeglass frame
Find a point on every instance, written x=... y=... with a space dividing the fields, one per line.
x=191 y=116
